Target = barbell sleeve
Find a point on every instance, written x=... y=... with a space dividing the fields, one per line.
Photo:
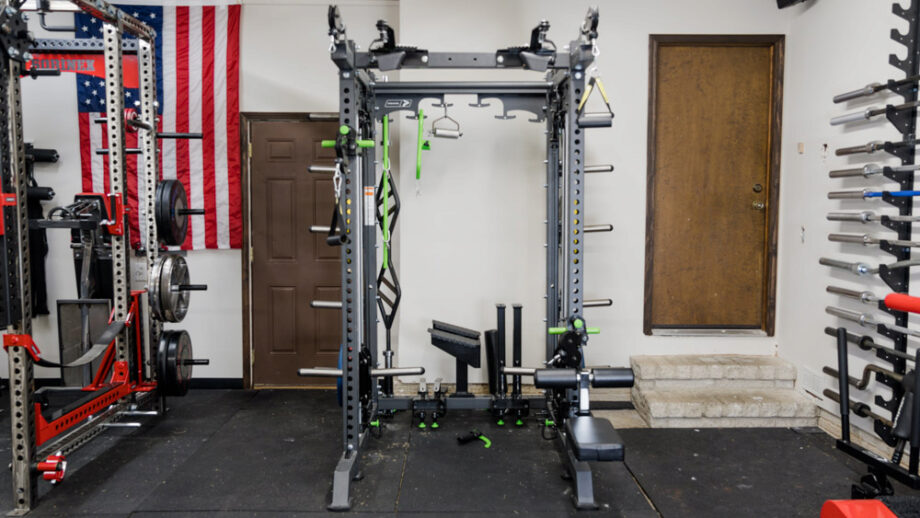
x=598 y=228
x=596 y=303
x=397 y=371
x=319 y=229
x=193 y=287
x=866 y=171
x=321 y=169
x=320 y=371
x=867 y=343
x=863 y=319
x=862 y=296
x=868 y=148
x=605 y=168
x=859 y=92
x=861 y=239
x=857 y=268
x=858 y=217
x=191 y=212
x=326 y=304
x=196 y=361
x=847 y=195
x=866 y=114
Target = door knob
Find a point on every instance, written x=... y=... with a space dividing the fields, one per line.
x=759 y=205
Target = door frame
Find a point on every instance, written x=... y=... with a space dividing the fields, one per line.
x=778 y=42
x=246 y=120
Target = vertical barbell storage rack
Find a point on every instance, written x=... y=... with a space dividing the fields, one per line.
x=898 y=279
x=366 y=99
x=16 y=287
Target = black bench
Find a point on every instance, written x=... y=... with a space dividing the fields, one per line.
x=461 y=343
x=594 y=439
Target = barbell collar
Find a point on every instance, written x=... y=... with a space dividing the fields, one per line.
x=605 y=168
x=320 y=372
x=397 y=371
x=326 y=304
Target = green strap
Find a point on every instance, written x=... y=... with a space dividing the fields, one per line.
x=488 y=443
x=422 y=144
x=386 y=191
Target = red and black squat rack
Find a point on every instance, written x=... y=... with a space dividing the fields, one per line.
x=130 y=350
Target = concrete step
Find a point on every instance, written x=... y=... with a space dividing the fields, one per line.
x=718 y=407
x=726 y=371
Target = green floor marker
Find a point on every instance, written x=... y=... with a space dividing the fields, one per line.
x=519 y=423
x=501 y=422
x=421 y=425
x=484 y=439
x=435 y=425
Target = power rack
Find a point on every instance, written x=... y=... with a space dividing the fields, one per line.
x=558 y=101
x=140 y=363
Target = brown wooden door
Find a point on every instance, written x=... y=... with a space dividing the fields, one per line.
x=713 y=182
x=290 y=265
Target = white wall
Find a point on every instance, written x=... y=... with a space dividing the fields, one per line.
x=833 y=47
x=474 y=236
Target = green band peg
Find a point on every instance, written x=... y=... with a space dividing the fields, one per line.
x=557 y=330
x=578 y=323
x=365 y=143
x=375 y=423
x=343 y=129
x=327 y=143
x=594 y=330
x=549 y=422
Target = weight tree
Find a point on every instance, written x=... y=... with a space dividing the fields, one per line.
x=558 y=101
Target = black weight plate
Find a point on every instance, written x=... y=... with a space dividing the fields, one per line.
x=170 y=200
x=174 y=357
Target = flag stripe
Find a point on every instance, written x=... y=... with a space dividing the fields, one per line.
x=233 y=126
x=196 y=158
x=221 y=173
x=182 y=105
x=168 y=118
x=207 y=125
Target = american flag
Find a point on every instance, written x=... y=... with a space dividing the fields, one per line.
x=197 y=54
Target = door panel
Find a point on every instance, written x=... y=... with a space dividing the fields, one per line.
x=290 y=265
x=713 y=157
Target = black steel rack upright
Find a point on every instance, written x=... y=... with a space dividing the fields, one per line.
x=898 y=279
x=557 y=101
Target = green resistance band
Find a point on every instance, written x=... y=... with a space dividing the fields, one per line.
x=422 y=145
x=386 y=191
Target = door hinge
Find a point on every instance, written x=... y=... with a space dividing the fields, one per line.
x=249 y=148
x=252 y=255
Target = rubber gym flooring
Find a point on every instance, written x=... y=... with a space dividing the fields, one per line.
x=269 y=453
